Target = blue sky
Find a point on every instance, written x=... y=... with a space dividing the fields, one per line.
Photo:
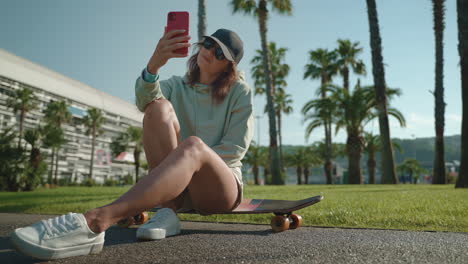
x=106 y=44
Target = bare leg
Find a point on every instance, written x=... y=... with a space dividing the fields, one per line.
x=161 y=131
x=192 y=165
x=161 y=135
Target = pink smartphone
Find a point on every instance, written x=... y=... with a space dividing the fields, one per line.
x=179 y=20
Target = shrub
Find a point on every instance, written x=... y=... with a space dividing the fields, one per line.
x=452 y=178
x=111 y=182
x=127 y=179
x=89 y=183
x=32 y=177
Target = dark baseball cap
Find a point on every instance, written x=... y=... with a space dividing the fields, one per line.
x=230 y=43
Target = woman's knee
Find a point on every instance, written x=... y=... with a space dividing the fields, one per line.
x=195 y=145
x=158 y=109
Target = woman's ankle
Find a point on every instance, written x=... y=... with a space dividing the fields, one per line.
x=96 y=220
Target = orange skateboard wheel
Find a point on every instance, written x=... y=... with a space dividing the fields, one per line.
x=296 y=221
x=279 y=223
x=141 y=218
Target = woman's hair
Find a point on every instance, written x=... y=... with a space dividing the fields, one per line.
x=221 y=86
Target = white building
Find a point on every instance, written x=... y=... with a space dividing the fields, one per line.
x=74 y=158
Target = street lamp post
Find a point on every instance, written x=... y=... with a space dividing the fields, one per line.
x=257 y=117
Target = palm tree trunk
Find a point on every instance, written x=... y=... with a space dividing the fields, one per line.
x=306 y=174
x=299 y=175
x=371 y=165
x=21 y=127
x=346 y=78
x=388 y=163
x=353 y=146
x=439 y=159
x=91 y=163
x=462 y=10
x=51 y=172
x=56 y=166
x=255 y=173
x=329 y=155
x=201 y=19
x=275 y=165
x=266 y=175
x=280 y=139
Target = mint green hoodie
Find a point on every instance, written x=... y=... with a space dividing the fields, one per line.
x=226 y=127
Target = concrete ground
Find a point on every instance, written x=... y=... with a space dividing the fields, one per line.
x=244 y=243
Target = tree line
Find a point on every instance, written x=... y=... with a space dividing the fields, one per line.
x=23 y=165
x=351 y=110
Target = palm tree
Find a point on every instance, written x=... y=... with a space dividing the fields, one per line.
x=354 y=110
x=34 y=138
x=279 y=69
x=462 y=10
x=119 y=144
x=260 y=10
x=320 y=114
x=411 y=166
x=312 y=159
x=252 y=157
x=279 y=72
x=56 y=114
x=323 y=65
x=93 y=122
x=439 y=176
x=319 y=150
x=264 y=161
x=136 y=139
x=372 y=145
x=347 y=57
x=23 y=101
x=132 y=136
x=297 y=159
x=201 y=19
x=12 y=158
x=388 y=163
x=283 y=104
x=54 y=138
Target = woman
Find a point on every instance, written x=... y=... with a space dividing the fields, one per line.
x=196 y=129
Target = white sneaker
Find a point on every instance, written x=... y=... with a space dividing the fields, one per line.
x=60 y=237
x=163 y=224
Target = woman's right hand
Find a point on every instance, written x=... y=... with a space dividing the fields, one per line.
x=165 y=49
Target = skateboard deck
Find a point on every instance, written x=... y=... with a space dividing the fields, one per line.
x=283 y=209
x=262 y=206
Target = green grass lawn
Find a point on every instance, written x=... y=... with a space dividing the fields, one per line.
x=408 y=207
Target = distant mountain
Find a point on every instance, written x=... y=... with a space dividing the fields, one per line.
x=421 y=149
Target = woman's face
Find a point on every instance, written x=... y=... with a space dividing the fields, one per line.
x=208 y=62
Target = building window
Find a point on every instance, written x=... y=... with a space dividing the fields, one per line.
x=76 y=111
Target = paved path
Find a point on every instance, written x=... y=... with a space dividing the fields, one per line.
x=242 y=243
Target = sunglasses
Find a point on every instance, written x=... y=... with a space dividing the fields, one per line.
x=209 y=43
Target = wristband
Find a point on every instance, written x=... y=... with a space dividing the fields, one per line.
x=148 y=77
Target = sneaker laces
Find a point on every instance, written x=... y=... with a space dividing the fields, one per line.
x=60 y=224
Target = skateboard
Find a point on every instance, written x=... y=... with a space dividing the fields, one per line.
x=283 y=218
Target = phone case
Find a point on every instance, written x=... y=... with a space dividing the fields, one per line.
x=179 y=20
